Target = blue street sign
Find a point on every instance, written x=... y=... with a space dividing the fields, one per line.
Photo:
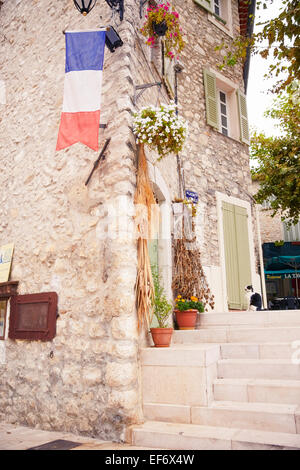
x=192 y=196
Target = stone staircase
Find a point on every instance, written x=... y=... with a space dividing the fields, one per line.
x=233 y=383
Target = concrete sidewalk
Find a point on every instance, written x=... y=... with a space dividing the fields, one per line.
x=14 y=437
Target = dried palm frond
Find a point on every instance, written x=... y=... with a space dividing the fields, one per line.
x=144 y=201
x=189 y=278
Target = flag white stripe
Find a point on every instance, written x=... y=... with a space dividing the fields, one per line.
x=82 y=91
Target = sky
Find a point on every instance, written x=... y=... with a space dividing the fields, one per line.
x=258 y=98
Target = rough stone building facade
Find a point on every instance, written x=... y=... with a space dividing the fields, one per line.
x=87 y=378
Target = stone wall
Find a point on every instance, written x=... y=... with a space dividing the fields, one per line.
x=57 y=224
x=271 y=228
x=91 y=382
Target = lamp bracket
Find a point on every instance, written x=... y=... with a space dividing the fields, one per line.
x=143 y=88
x=117 y=6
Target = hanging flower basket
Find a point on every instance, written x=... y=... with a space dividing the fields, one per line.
x=161 y=129
x=160 y=28
x=163 y=20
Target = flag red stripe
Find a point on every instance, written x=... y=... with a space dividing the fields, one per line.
x=79 y=127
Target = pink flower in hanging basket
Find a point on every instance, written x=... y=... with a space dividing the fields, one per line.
x=164 y=14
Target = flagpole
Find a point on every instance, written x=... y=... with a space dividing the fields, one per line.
x=103 y=28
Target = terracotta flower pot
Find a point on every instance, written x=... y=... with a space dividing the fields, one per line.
x=161 y=337
x=186 y=319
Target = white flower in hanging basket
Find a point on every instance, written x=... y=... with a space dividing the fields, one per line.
x=161 y=129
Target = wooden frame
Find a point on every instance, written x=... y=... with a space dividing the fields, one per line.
x=33 y=316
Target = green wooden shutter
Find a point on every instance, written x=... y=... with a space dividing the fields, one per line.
x=231 y=260
x=206 y=4
x=243 y=115
x=212 y=110
x=237 y=254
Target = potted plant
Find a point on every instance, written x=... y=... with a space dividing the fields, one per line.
x=163 y=20
x=162 y=334
x=161 y=129
x=186 y=312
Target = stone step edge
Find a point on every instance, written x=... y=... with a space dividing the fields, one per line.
x=267 y=438
x=265 y=407
x=245 y=361
x=260 y=382
x=243 y=328
x=264 y=325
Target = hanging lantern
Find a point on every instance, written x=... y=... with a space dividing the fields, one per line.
x=84 y=6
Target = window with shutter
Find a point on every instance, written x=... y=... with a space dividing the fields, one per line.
x=226 y=106
x=211 y=96
x=243 y=115
x=219 y=13
x=206 y=4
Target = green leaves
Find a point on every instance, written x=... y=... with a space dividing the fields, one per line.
x=161 y=307
x=279 y=38
x=278 y=159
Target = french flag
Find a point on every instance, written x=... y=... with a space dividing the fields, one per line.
x=80 y=117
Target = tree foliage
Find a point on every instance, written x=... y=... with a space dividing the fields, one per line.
x=278 y=158
x=278 y=39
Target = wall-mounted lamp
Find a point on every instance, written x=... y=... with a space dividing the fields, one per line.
x=117 y=6
x=112 y=39
x=84 y=6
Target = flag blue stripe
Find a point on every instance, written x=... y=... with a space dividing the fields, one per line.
x=85 y=51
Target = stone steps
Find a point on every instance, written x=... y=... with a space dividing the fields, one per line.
x=257 y=390
x=157 y=434
x=245 y=415
x=257 y=350
x=263 y=318
x=238 y=334
x=258 y=369
x=232 y=384
x=261 y=416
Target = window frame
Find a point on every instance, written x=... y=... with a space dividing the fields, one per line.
x=217 y=4
x=227 y=115
x=238 y=124
x=224 y=20
x=291 y=234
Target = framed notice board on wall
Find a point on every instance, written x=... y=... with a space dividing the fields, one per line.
x=33 y=316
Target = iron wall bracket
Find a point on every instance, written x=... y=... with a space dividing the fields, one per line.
x=143 y=88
